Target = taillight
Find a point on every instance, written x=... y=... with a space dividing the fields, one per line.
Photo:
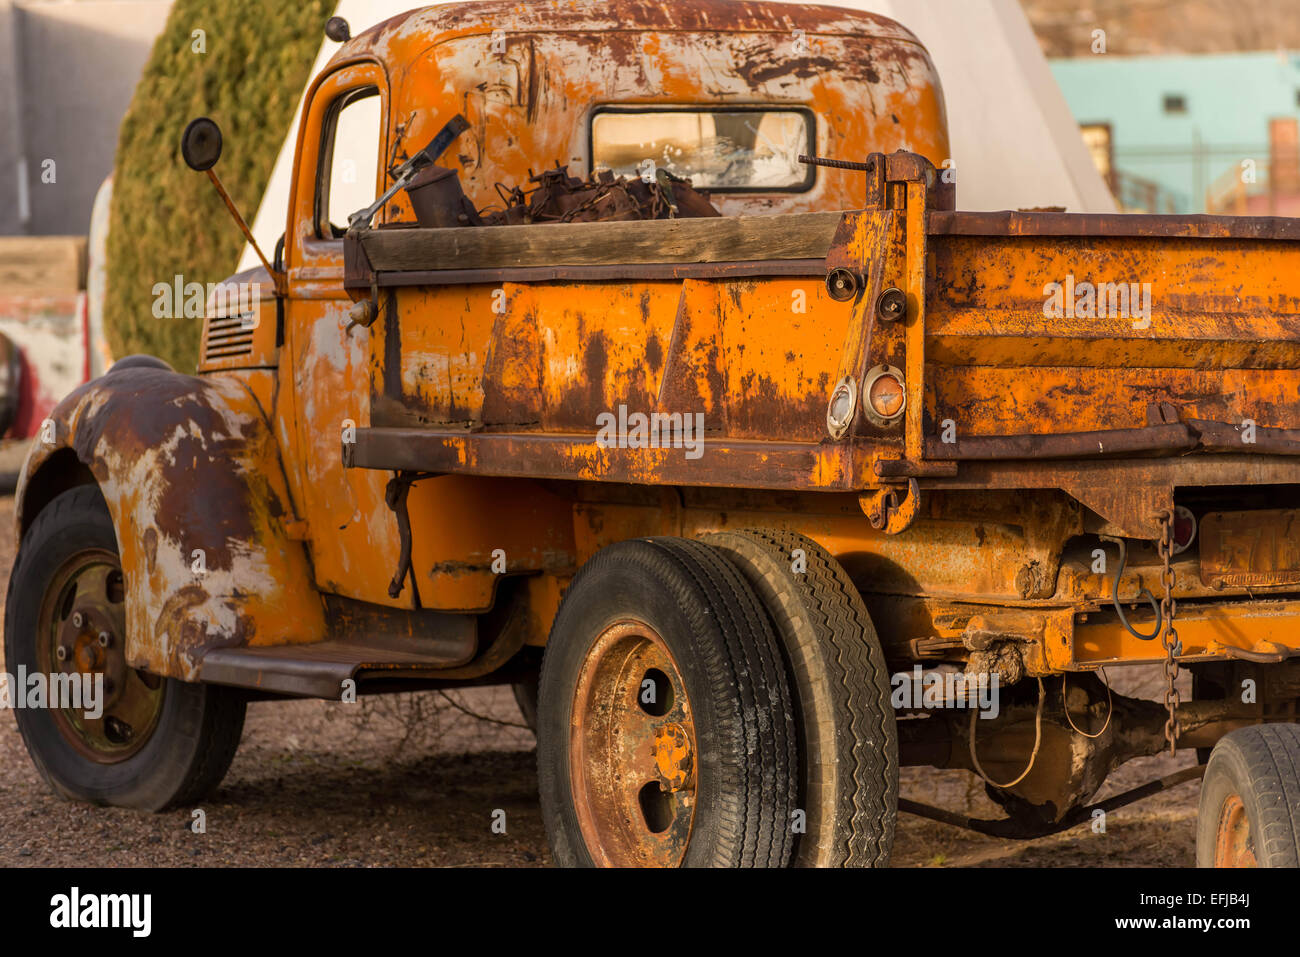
x=1184 y=529
x=884 y=395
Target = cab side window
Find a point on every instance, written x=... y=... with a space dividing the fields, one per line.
x=349 y=160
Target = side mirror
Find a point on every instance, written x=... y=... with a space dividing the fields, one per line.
x=201 y=144
x=201 y=148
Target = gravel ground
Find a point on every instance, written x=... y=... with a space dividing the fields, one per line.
x=413 y=780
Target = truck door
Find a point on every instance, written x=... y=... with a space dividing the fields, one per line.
x=351 y=532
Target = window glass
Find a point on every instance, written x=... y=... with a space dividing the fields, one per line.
x=350 y=163
x=719 y=150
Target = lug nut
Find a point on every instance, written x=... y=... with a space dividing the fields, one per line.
x=78 y=619
x=61 y=652
x=105 y=639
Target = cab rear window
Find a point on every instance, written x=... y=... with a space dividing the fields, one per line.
x=728 y=150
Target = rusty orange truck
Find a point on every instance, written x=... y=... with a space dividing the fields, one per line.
x=663 y=380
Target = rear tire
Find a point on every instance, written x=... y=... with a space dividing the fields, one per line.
x=665 y=732
x=1250 y=800
x=848 y=742
x=174 y=743
x=526 y=698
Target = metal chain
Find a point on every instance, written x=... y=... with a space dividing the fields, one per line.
x=1169 y=637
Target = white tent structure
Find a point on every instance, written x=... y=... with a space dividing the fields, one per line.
x=1014 y=142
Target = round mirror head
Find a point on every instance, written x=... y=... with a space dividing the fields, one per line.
x=337 y=29
x=201 y=144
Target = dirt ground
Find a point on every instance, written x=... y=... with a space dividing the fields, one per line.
x=415 y=780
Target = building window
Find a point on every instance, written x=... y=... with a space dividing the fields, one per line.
x=1175 y=103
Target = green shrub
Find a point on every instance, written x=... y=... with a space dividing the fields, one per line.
x=167 y=220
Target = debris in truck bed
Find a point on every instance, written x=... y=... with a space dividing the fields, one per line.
x=558 y=197
x=602 y=197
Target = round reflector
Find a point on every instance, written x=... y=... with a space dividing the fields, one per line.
x=839 y=412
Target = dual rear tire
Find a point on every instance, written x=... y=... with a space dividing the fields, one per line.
x=716 y=703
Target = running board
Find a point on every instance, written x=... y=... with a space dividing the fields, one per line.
x=431 y=642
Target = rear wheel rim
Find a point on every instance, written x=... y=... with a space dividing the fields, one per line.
x=632 y=751
x=82 y=630
x=1234 y=846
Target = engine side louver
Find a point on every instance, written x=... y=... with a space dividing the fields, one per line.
x=228 y=338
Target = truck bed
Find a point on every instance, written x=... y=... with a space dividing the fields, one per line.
x=697 y=315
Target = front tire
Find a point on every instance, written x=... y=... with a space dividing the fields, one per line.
x=665 y=734
x=1250 y=800
x=158 y=741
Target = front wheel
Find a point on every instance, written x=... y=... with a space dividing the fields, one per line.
x=1250 y=800
x=115 y=735
x=664 y=725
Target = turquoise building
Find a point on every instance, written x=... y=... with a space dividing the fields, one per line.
x=1222 y=124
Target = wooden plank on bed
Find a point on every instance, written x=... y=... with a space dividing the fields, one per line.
x=720 y=239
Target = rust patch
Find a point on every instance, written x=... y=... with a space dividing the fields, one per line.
x=191 y=476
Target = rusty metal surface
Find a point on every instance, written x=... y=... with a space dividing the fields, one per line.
x=532 y=109
x=235 y=339
x=964 y=352
x=496 y=378
x=1250 y=548
x=737 y=464
x=319 y=670
x=1170 y=438
x=559 y=197
x=192 y=477
x=632 y=762
x=951 y=223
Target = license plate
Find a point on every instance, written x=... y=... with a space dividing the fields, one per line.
x=1240 y=549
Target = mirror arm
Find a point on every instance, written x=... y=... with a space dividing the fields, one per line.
x=277 y=277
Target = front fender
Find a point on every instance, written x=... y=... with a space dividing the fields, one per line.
x=192 y=476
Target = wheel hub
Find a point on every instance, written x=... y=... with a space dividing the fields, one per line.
x=673 y=756
x=632 y=751
x=83 y=625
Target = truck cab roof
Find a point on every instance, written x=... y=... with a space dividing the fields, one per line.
x=600 y=83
